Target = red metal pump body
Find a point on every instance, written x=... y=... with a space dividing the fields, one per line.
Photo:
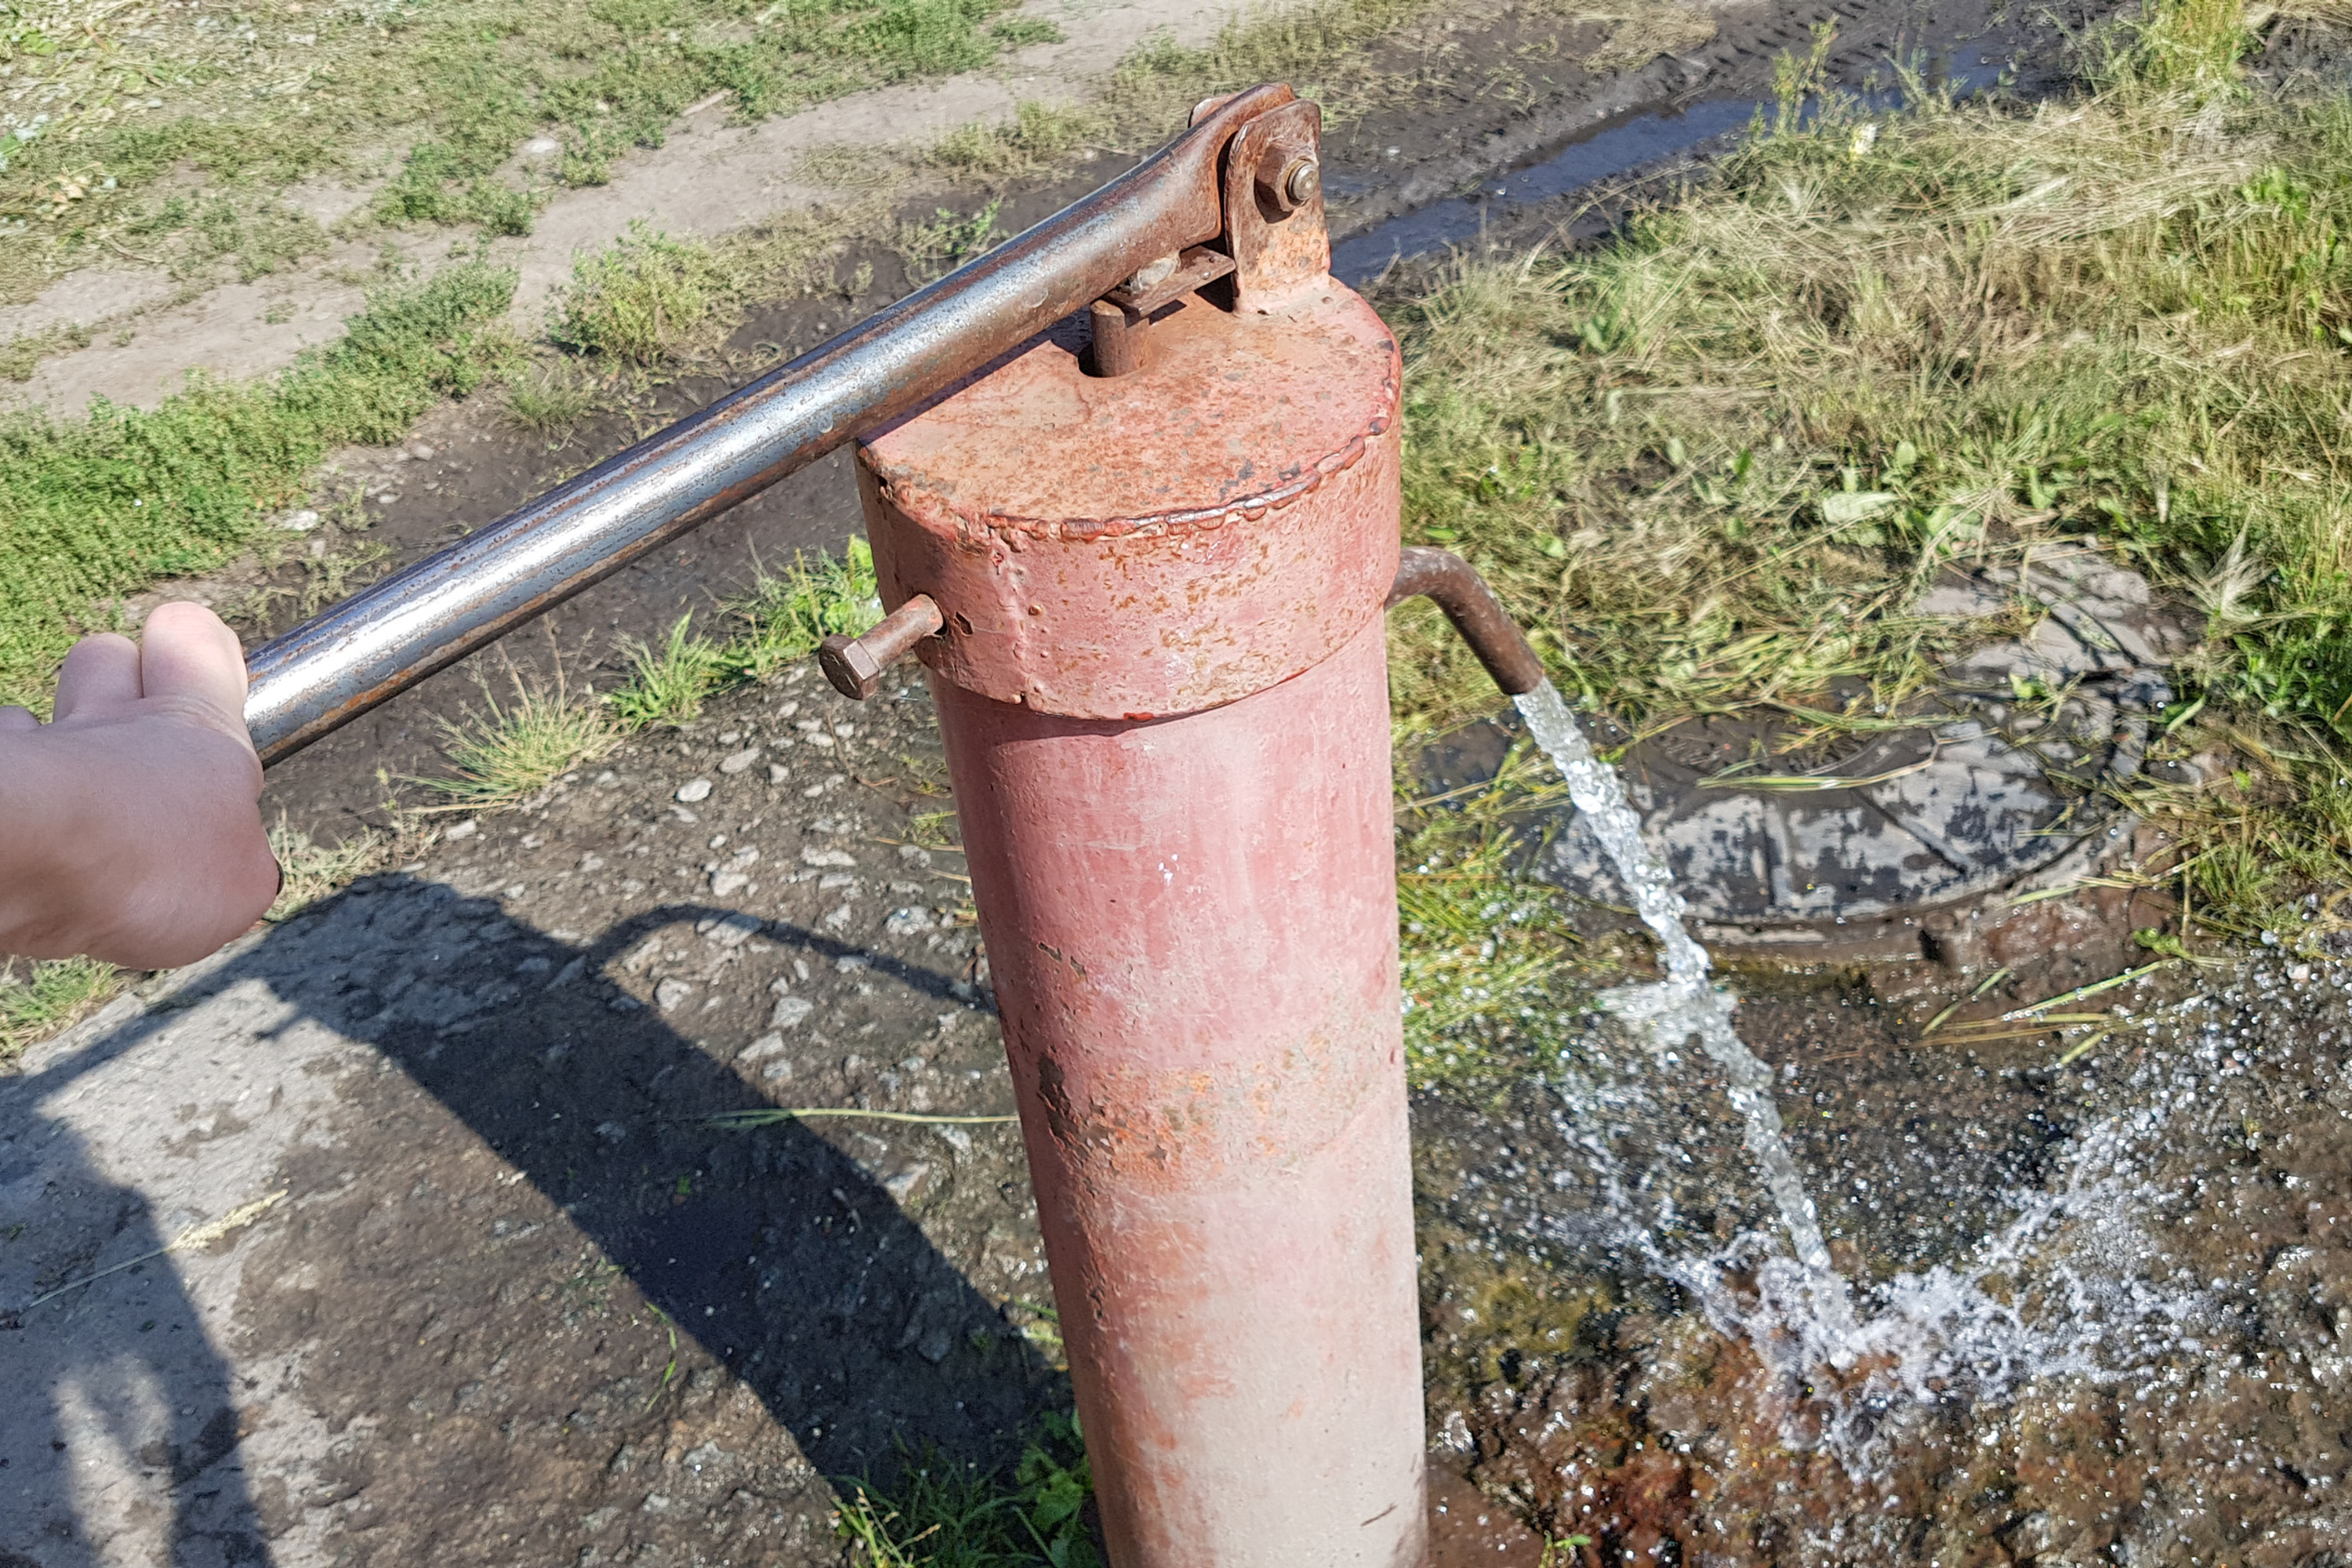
x=1162 y=685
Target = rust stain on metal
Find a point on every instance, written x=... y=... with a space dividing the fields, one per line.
x=1197 y=577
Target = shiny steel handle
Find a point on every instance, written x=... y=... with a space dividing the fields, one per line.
x=386 y=639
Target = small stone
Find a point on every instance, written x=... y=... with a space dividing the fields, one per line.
x=916 y=853
x=612 y=1131
x=736 y=761
x=851 y=962
x=671 y=993
x=813 y=791
x=746 y=856
x=790 y=1012
x=420 y=451
x=684 y=816
x=778 y=772
x=724 y=884
x=465 y=829
x=766 y=1046
x=910 y=922
x=841 y=917
x=730 y=931
x=820 y=740
x=542 y=147
x=301 y=522
x=901 y=1185
x=569 y=973
x=827 y=858
x=833 y=879
x=694 y=790
x=590 y=863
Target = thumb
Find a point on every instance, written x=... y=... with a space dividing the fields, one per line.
x=186 y=652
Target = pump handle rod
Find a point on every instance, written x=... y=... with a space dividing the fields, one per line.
x=387 y=637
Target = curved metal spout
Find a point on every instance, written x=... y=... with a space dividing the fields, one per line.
x=1476 y=614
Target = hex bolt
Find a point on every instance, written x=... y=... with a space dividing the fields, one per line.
x=855 y=664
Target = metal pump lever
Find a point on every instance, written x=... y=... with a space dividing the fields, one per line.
x=386 y=639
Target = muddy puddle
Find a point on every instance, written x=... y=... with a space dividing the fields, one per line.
x=2093 y=1311
x=1630 y=145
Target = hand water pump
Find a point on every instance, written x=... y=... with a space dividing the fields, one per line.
x=1131 y=483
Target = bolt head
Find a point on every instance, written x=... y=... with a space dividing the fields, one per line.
x=854 y=672
x=1301 y=181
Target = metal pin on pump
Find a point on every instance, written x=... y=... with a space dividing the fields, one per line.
x=1145 y=560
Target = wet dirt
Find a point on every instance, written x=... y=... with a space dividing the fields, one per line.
x=2109 y=1298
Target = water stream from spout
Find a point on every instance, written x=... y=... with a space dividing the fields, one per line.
x=1686 y=1003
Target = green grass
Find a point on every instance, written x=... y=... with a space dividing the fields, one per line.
x=253 y=100
x=781 y=620
x=101 y=508
x=549 y=400
x=669 y=684
x=941 y=1515
x=503 y=756
x=38 y=999
x=786 y=615
x=641 y=297
x=1711 y=462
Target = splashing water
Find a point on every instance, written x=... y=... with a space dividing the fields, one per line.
x=1922 y=1332
x=1684 y=1004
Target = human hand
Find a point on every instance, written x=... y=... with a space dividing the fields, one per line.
x=130 y=824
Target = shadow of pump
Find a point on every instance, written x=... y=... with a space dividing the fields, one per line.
x=786 y=1262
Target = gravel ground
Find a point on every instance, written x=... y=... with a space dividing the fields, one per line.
x=512 y=1296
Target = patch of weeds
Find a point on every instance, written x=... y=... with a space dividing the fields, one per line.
x=667 y=685
x=504 y=756
x=96 y=509
x=21 y=355
x=1322 y=48
x=38 y=999
x=1038 y=134
x=1016 y=32
x=936 y=248
x=253 y=242
x=783 y=617
x=549 y=400
x=641 y=297
x=943 y=1515
x=434 y=185
x=1713 y=462
x=1489 y=960
x=258 y=102
x=313 y=870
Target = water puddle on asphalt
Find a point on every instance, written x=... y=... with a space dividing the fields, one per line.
x=1604 y=155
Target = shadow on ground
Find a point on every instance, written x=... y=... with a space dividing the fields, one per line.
x=523 y=1293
